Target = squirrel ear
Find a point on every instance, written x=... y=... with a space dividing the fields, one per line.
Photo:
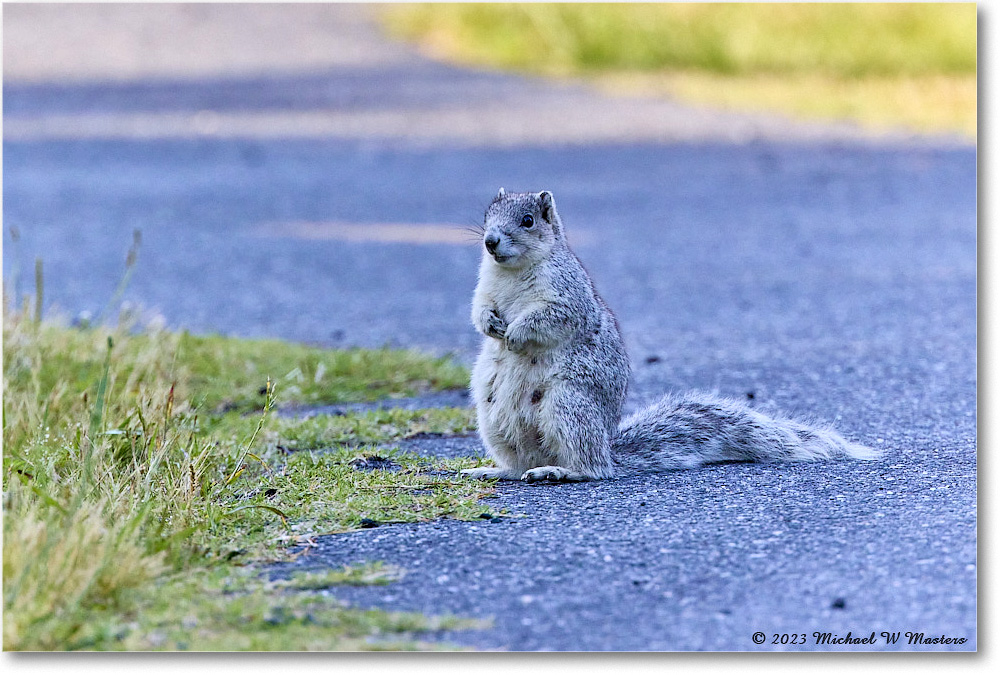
x=547 y=205
x=501 y=194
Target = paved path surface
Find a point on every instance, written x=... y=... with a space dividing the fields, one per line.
x=315 y=194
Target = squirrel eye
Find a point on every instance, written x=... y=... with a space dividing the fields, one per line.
x=527 y=221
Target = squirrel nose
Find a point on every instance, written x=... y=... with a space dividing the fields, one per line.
x=491 y=242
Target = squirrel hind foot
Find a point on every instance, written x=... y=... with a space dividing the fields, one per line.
x=491 y=472
x=553 y=473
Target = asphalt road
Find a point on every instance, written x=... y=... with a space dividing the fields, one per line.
x=826 y=272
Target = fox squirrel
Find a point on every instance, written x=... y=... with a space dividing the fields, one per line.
x=550 y=380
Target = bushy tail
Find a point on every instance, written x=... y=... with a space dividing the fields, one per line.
x=682 y=432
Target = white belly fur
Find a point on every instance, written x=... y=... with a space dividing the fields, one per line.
x=503 y=384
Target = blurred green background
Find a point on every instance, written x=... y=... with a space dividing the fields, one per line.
x=881 y=65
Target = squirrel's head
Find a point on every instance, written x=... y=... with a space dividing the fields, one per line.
x=521 y=228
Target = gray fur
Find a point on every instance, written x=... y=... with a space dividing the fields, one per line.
x=550 y=381
x=682 y=432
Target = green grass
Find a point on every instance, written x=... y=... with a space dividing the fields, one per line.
x=229 y=608
x=733 y=38
x=821 y=50
x=141 y=467
x=356 y=429
x=227 y=374
x=217 y=374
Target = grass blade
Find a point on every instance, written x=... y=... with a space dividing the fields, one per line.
x=96 y=418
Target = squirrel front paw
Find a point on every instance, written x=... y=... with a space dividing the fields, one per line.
x=494 y=325
x=516 y=340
